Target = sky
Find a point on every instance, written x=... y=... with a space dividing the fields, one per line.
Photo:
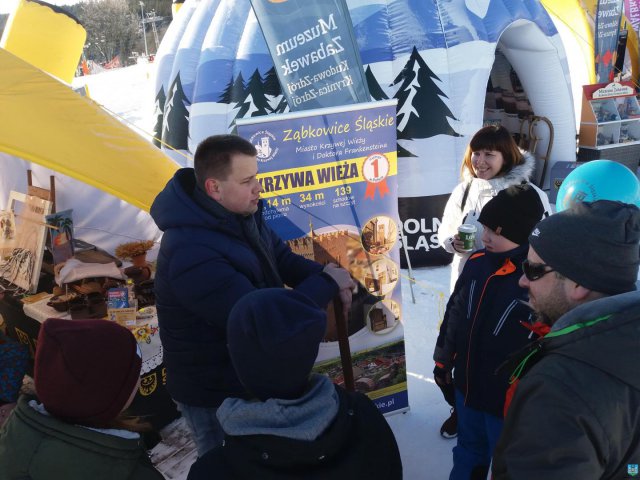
x=7 y=6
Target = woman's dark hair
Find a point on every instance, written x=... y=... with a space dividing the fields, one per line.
x=497 y=138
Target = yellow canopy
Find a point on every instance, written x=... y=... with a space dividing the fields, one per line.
x=46 y=36
x=572 y=14
x=632 y=37
x=44 y=121
x=579 y=16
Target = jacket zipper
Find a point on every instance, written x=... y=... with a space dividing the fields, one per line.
x=507 y=268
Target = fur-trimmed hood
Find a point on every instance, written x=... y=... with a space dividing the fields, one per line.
x=518 y=174
x=465 y=207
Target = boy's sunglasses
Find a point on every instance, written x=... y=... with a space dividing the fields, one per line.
x=534 y=271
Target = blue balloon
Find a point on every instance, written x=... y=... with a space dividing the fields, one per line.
x=599 y=180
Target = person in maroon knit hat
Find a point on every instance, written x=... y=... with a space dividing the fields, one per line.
x=86 y=374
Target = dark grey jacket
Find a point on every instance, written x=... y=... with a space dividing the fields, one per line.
x=35 y=446
x=576 y=410
x=355 y=442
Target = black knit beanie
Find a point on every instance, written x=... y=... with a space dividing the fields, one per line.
x=594 y=244
x=273 y=335
x=513 y=212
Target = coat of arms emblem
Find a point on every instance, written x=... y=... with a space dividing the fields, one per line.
x=148 y=384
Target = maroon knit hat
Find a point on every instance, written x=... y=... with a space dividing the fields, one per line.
x=85 y=370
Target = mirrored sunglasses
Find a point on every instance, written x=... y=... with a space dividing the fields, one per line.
x=534 y=271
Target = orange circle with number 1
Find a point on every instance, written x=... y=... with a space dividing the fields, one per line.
x=375 y=168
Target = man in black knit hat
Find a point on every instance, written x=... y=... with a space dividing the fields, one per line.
x=576 y=409
x=297 y=424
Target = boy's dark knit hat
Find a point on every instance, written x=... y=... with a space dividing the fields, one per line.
x=273 y=335
x=85 y=370
x=595 y=244
x=513 y=212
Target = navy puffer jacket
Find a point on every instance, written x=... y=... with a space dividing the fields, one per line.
x=204 y=266
x=483 y=326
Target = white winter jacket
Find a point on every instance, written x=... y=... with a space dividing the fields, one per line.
x=480 y=192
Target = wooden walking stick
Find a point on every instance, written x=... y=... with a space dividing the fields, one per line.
x=343 y=343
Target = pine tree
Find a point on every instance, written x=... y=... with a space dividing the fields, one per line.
x=421 y=111
x=255 y=103
x=283 y=106
x=234 y=92
x=273 y=91
x=374 y=87
x=271 y=83
x=159 y=114
x=175 y=130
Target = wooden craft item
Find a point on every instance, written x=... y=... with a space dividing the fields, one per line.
x=22 y=267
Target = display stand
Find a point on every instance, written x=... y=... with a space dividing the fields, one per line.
x=22 y=267
x=30 y=268
x=153 y=403
x=610 y=124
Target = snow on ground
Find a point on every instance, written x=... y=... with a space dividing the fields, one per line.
x=129 y=93
x=425 y=454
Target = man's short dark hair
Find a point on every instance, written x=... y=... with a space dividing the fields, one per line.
x=213 y=156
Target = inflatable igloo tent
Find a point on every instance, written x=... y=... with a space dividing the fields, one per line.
x=451 y=64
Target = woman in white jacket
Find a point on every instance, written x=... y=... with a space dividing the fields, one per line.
x=492 y=162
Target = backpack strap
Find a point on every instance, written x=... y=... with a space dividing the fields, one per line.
x=465 y=195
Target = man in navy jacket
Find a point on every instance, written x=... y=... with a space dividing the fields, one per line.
x=215 y=249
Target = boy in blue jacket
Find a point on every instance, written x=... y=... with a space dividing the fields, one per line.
x=485 y=321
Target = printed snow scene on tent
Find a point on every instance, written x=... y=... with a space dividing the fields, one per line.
x=418 y=97
x=435 y=58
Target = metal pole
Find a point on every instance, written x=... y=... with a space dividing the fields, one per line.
x=144 y=32
x=412 y=279
x=154 y=29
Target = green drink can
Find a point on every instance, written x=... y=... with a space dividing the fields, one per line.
x=467 y=234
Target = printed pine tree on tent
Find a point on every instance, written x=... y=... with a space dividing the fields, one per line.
x=259 y=97
x=158 y=114
x=255 y=103
x=176 y=118
x=375 y=90
x=234 y=92
x=272 y=88
x=419 y=97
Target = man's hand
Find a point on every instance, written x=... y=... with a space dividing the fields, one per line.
x=345 y=283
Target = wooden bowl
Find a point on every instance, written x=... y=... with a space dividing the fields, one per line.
x=61 y=303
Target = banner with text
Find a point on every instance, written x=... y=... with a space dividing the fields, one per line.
x=330 y=190
x=314 y=51
x=632 y=12
x=608 y=15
